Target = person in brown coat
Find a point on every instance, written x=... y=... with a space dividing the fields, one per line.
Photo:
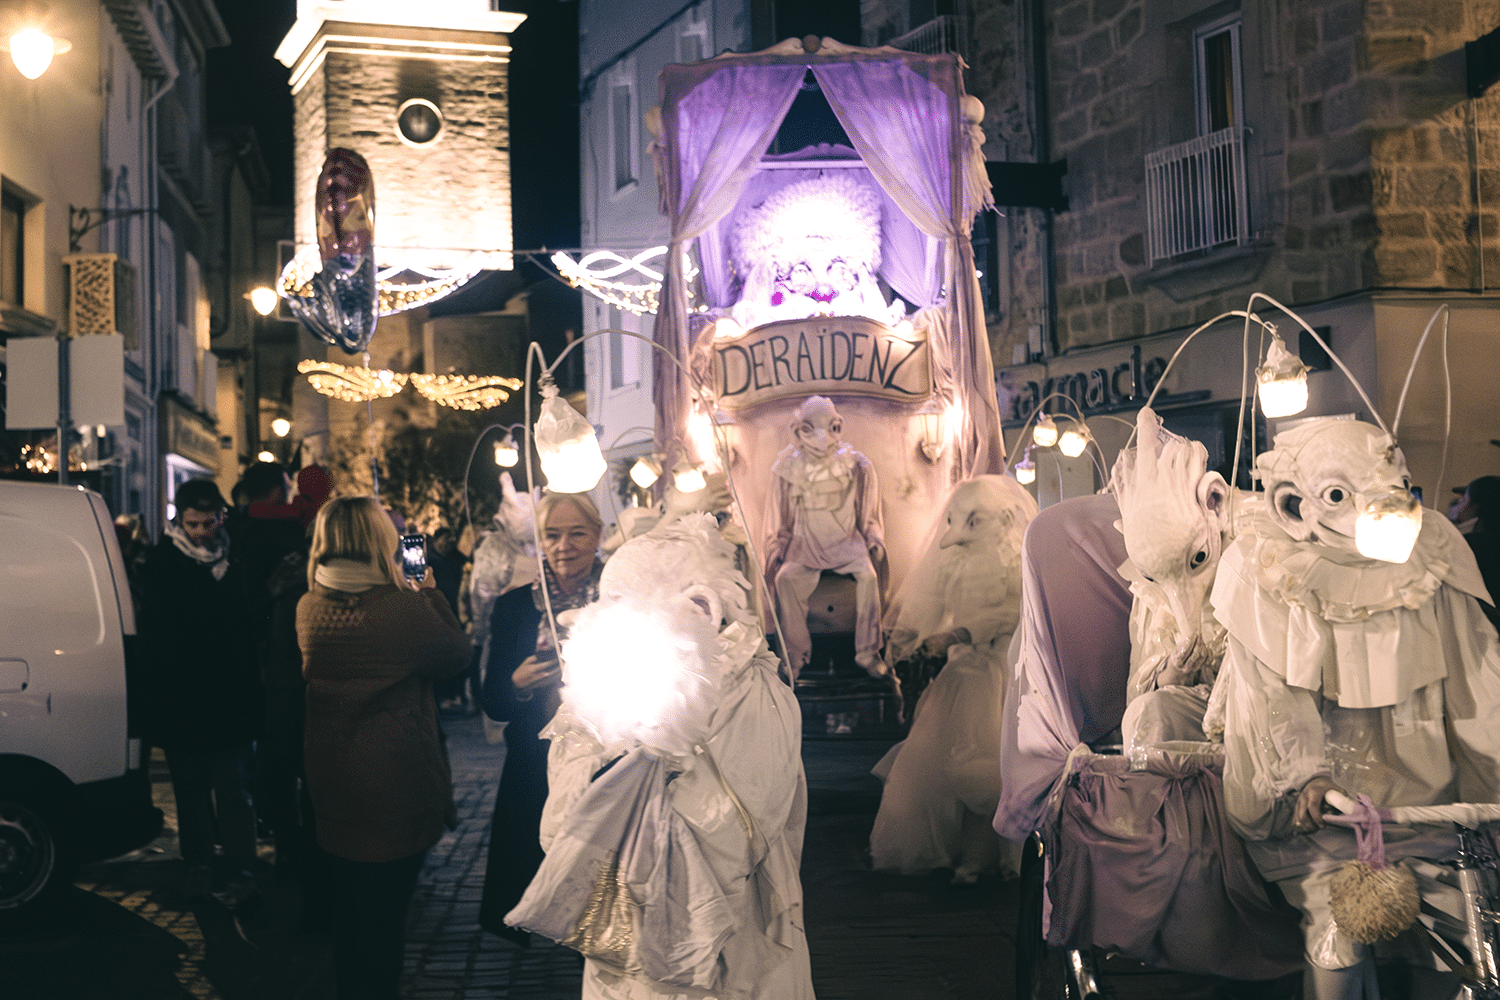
x=372 y=644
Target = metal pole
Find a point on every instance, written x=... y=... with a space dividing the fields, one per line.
x=64 y=417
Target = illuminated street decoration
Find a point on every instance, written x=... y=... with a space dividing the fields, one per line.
x=349 y=383
x=598 y=272
x=465 y=392
x=353 y=384
x=400 y=284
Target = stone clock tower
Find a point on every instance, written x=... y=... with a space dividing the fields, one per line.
x=420 y=89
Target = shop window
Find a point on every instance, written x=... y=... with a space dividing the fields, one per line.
x=624 y=352
x=12 y=248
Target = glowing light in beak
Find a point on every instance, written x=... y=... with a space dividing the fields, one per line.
x=1388 y=527
x=689 y=478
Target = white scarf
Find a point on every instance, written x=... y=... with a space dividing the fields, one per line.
x=216 y=558
x=350 y=576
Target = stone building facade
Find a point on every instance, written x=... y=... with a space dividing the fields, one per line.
x=1322 y=152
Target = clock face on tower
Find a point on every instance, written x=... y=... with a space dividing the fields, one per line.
x=419 y=122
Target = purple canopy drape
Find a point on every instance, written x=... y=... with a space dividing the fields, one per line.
x=903 y=112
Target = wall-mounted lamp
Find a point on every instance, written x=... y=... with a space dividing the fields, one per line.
x=32 y=49
x=265 y=456
x=933 y=425
x=262 y=300
x=1044 y=434
x=646 y=471
x=566 y=445
x=1282 y=381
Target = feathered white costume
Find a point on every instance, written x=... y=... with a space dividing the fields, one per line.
x=677 y=801
x=942 y=783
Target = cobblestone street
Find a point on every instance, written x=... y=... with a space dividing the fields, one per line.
x=872 y=936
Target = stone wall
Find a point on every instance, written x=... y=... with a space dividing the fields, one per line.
x=1434 y=177
x=452 y=196
x=1360 y=164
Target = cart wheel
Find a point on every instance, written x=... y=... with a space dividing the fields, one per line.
x=1041 y=972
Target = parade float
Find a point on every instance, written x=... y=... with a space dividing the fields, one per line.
x=836 y=271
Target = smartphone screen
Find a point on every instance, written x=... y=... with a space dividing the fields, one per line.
x=413 y=556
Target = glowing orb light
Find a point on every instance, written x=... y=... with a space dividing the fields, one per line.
x=1388 y=527
x=1044 y=434
x=1281 y=382
x=1073 y=441
x=566 y=446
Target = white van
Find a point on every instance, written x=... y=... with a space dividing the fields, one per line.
x=73 y=786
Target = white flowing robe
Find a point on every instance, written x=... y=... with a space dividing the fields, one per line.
x=750 y=776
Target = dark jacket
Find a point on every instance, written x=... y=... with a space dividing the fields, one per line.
x=376 y=768
x=202 y=684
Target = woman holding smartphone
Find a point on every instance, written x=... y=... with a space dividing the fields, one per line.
x=522 y=677
x=372 y=644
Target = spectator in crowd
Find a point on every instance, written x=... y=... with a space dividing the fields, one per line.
x=376 y=768
x=203 y=692
x=522 y=677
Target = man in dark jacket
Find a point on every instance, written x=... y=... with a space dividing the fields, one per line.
x=203 y=686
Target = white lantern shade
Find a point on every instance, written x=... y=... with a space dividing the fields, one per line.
x=1387 y=528
x=567 y=448
x=645 y=472
x=1073 y=442
x=1044 y=434
x=1283 y=397
x=1026 y=473
x=689 y=479
x=932 y=425
x=506 y=453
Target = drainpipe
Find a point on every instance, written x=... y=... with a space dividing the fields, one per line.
x=1041 y=130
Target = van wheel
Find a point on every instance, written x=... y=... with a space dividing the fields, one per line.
x=35 y=865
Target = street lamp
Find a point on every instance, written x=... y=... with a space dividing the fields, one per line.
x=32 y=49
x=281 y=427
x=262 y=299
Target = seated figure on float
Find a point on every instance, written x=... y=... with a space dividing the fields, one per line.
x=1377 y=678
x=825 y=516
x=1174 y=513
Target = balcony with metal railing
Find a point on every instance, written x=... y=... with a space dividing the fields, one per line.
x=1195 y=195
x=945 y=33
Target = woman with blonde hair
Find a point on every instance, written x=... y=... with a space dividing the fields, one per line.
x=372 y=644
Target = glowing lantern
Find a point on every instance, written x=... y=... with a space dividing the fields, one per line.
x=1281 y=381
x=32 y=49
x=1026 y=469
x=281 y=427
x=506 y=453
x=1044 y=434
x=646 y=471
x=932 y=418
x=688 y=478
x=566 y=446
x=263 y=300
x=1073 y=441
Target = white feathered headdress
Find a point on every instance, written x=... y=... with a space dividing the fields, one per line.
x=836 y=213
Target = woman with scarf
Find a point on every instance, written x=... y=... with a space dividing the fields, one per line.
x=522 y=678
x=202 y=693
x=372 y=644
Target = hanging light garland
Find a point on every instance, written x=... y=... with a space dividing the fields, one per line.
x=396 y=295
x=596 y=272
x=353 y=384
x=465 y=392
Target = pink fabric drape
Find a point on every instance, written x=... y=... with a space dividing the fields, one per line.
x=715 y=134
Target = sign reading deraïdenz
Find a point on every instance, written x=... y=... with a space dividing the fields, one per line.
x=824 y=355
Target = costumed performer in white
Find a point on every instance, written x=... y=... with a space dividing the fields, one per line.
x=677 y=803
x=942 y=783
x=1174 y=513
x=1374 y=677
x=826 y=516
